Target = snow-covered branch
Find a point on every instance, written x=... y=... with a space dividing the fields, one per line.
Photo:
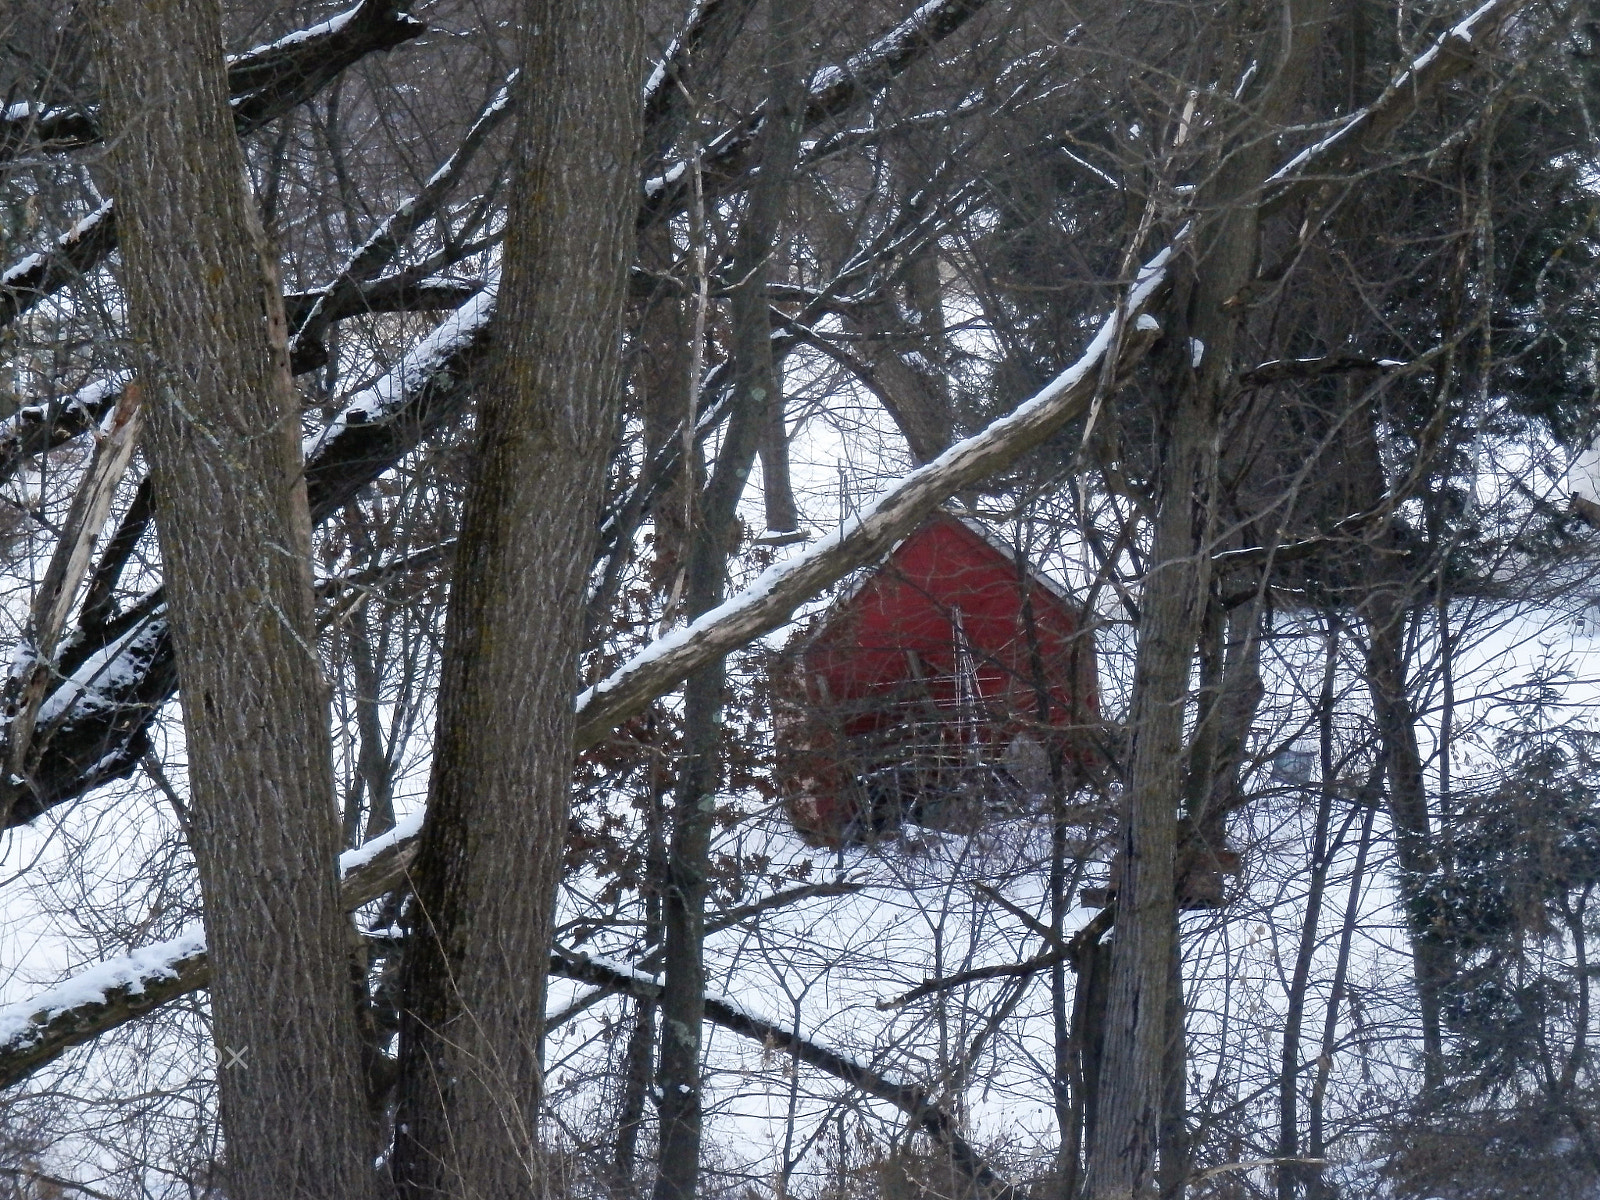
x=265 y=83
x=109 y=994
x=45 y=272
x=834 y=91
x=837 y=88
x=380 y=248
x=1453 y=53
x=777 y=592
x=36 y=428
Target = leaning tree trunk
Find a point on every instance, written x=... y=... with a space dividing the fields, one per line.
x=206 y=319
x=490 y=858
x=1122 y=1152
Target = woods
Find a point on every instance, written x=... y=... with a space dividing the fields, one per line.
x=475 y=726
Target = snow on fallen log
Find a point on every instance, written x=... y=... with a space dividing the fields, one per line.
x=105 y=995
x=83 y=1006
x=383 y=422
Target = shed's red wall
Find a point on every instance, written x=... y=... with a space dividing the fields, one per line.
x=879 y=685
x=909 y=605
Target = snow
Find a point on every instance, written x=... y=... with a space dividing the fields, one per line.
x=18 y=270
x=1463 y=30
x=35 y=260
x=615 y=966
x=427 y=359
x=87 y=223
x=1197 y=353
x=1149 y=280
x=657 y=184
x=658 y=76
x=108 y=671
x=321 y=29
x=405 y=829
x=23 y=1021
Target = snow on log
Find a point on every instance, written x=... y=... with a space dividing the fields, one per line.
x=101 y=997
x=75 y=253
x=378 y=425
x=83 y=1006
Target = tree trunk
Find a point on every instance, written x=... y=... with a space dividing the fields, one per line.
x=694 y=806
x=1173 y=1139
x=490 y=858
x=1122 y=1152
x=1317 y=1187
x=1291 y=1174
x=1122 y=1158
x=206 y=318
x=1385 y=615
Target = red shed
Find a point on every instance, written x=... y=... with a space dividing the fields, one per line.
x=949 y=683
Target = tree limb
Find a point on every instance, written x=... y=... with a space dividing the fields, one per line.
x=38 y=1031
x=265 y=82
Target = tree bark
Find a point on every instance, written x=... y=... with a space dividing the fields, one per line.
x=711 y=540
x=1385 y=614
x=206 y=319
x=1122 y=1158
x=490 y=859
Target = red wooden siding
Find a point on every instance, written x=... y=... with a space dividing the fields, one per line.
x=943 y=677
